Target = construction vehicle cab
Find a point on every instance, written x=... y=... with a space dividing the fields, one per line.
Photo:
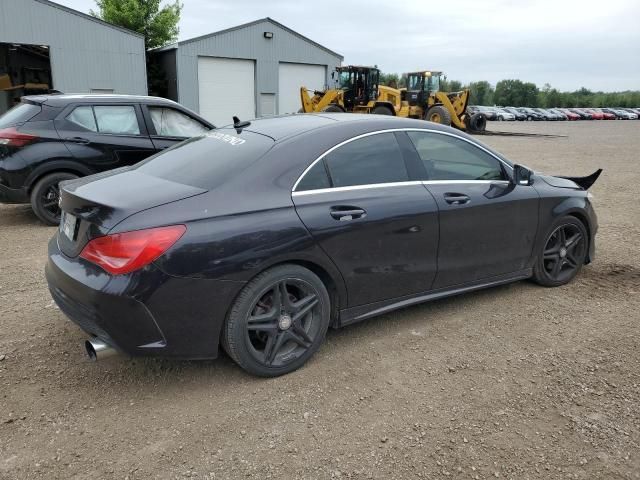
x=420 y=85
x=426 y=101
x=358 y=84
x=356 y=89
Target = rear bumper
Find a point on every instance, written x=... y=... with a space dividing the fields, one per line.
x=146 y=313
x=13 y=195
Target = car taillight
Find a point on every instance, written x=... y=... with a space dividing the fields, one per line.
x=126 y=252
x=14 y=138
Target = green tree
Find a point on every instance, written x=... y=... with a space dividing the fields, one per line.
x=390 y=79
x=158 y=25
x=516 y=93
x=481 y=93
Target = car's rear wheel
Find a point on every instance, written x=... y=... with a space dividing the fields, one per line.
x=563 y=253
x=278 y=321
x=45 y=196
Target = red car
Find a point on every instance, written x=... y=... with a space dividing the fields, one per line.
x=570 y=115
x=605 y=115
x=595 y=114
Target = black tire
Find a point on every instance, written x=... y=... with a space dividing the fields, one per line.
x=269 y=334
x=333 y=108
x=562 y=254
x=381 y=110
x=477 y=122
x=438 y=114
x=529 y=118
x=500 y=118
x=45 y=195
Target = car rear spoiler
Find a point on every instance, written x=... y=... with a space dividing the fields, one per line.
x=585 y=182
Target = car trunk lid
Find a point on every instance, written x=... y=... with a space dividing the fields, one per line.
x=91 y=211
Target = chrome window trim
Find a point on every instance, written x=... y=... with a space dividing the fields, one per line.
x=356 y=187
x=392 y=130
x=397 y=184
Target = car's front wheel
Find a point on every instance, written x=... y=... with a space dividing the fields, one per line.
x=46 y=195
x=278 y=321
x=563 y=253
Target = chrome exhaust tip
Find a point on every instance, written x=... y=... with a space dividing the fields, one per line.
x=98 y=350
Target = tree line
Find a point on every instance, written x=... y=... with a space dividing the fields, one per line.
x=516 y=93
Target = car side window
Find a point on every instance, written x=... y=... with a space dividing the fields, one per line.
x=83 y=117
x=117 y=119
x=450 y=158
x=171 y=123
x=368 y=160
x=315 y=179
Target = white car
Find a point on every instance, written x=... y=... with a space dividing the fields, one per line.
x=502 y=114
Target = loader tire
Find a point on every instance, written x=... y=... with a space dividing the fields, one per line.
x=438 y=114
x=381 y=110
x=477 y=122
x=332 y=108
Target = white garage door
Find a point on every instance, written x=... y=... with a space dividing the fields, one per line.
x=292 y=76
x=226 y=88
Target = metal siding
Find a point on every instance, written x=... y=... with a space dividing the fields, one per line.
x=248 y=43
x=85 y=54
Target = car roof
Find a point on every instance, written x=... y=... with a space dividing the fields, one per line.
x=286 y=126
x=62 y=99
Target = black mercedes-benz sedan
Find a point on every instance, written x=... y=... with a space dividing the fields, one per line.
x=261 y=235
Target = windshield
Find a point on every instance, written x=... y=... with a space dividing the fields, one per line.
x=209 y=160
x=413 y=82
x=434 y=84
x=19 y=114
x=344 y=80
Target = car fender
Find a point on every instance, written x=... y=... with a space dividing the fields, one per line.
x=56 y=165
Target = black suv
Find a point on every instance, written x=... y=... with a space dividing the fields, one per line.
x=50 y=138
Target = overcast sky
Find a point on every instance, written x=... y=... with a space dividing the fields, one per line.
x=567 y=43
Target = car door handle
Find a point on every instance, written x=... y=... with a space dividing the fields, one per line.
x=347 y=213
x=80 y=140
x=456 y=198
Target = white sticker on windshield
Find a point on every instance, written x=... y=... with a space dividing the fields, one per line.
x=230 y=139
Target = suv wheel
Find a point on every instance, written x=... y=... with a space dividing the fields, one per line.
x=45 y=196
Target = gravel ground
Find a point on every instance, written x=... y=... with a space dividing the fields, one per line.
x=514 y=382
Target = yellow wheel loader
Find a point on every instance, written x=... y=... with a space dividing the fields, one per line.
x=356 y=90
x=426 y=101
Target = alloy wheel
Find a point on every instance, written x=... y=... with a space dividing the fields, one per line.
x=49 y=200
x=564 y=252
x=283 y=322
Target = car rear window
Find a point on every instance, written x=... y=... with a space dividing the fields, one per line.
x=21 y=113
x=208 y=160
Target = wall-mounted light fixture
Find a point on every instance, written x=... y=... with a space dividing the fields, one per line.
x=268 y=35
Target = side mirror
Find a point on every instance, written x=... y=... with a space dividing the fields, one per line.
x=521 y=175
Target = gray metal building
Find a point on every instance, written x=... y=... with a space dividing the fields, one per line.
x=84 y=54
x=251 y=70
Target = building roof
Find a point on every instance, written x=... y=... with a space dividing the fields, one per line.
x=174 y=46
x=88 y=17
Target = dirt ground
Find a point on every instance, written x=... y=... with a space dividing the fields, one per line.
x=513 y=382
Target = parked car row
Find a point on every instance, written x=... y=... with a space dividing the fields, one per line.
x=551 y=114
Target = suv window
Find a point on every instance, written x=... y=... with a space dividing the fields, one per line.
x=171 y=123
x=366 y=161
x=21 y=113
x=449 y=158
x=117 y=119
x=83 y=116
